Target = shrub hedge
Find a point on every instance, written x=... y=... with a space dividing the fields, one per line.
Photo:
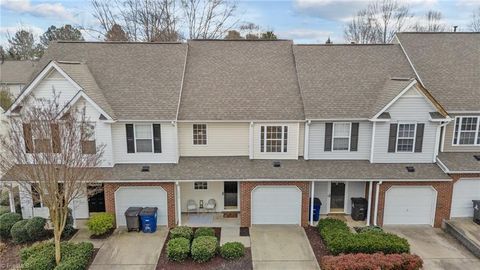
x=178 y=249
x=35 y=228
x=4 y=210
x=204 y=231
x=19 y=232
x=362 y=261
x=232 y=250
x=181 y=231
x=6 y=223
x=204 y=248
x=41 y=256
x=101 y=223
x=339 y=239
x=368 y=229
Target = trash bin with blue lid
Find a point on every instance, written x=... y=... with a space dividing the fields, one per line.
x=148 y=219
x=316 y=209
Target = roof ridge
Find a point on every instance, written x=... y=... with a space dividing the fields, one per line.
x=345 y=44
x=119 y=42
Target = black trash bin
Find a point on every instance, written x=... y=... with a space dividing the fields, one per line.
x=316 y=209
x=359 y=208
x=132 y=215
x=476 y=211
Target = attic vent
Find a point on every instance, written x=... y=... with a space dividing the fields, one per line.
x=477 y=157
x=277 y=164
x=145 y=168
x=102 y=117
x=410 y=169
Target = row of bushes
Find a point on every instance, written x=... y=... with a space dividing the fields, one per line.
x=41 y=256
x=362 y=261
x=339 y=239
x=101 y=223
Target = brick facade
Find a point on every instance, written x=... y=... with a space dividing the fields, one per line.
x=110 y=189
x=245 y=199
x=457 y=176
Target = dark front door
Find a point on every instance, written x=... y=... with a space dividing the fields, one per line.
x=96 y=201
x=230 y=194
x=337 y=197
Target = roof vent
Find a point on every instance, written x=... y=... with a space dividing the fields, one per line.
x=277 y=164
x=477 y=157
x=145 y=168
x=410 y=169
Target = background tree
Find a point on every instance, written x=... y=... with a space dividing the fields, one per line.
x=269 y=35
x=233 y=35
x=43 y=155
x=66 y=32
x=22 y=46
x=6 y=98
x=431 y=22
x=475 y=21
x=116 y=33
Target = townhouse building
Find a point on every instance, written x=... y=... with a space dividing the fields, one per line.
x=263 y=127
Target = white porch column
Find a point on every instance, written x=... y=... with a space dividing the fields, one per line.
x=312 y=195
x=377 y=192
x=306 y=144
x=11 y=198
x=369 y=205
x=179 y=205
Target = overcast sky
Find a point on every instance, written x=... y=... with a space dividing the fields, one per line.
x=304 y=21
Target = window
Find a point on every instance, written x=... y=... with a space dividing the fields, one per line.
x=467 y=131
x=88 y=138
x=406 y=137
x=200 y=185
x=341 y=136
x=143 y=138
x=36 y=199
x=274 y=139
x=42 y=137
x=199 y=134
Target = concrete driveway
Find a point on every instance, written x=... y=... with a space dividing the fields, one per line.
x=438 y=249
x=130 y=250
x=281 y=247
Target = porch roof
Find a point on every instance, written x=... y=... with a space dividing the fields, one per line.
x=457 y=162
x=243 y=168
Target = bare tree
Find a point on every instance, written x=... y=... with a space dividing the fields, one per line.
x=52 y=159
x=116 y=33
x=378 y=23
x=475 y=21
x=431 y=22
x=209 y=19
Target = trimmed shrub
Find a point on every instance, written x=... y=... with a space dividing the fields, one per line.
x=6 y=223
x=19 y=232
x=204 y=248
x=4 y=210
x=178 y=249
x=339 y=239
x=181 y=231
x=204 y=231
x=35 y=228
x=232 y=250
x=69 y=229
x=101 y=223
x=38 y=256
x=372 y=261
x=368 y=229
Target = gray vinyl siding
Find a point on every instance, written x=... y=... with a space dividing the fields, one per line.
x=448 y=142
x=317 y=139
x=406 y=110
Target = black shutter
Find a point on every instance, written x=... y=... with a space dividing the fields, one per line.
x=328 y=137
x=157 y=139
x=392 y=139
x=419 y=138
x=56 y=141
x=354 y=137
x=130 y=139
x=27 y=137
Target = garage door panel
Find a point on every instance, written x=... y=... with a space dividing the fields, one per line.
x=409 y=205
x=126 y=197
x=464 y=191
x=276 y=205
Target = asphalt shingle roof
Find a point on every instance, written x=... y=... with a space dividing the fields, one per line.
x=460 y=162
x=448 y=65
x=16 y=72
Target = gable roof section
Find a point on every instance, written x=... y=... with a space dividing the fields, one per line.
x=139 y=81
x=349 y=81
x=16 y=72
x=240 y=80
x=448 y=65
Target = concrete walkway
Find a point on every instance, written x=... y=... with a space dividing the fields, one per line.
x=130 y=250
x=438 y=249
x=232 y=234
x=281 y=247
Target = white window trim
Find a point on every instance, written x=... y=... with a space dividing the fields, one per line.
x=414 y=137
x=206 y=132
x=135 y=138
x=459 y=118
x=265 y=139
x=200 y=189
x=342 y=137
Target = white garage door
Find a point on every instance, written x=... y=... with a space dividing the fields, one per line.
x=464 y=191
x=140 y=196
x=276 y=205
x=409 y=205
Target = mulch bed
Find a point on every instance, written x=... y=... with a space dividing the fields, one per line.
x=95 y=251
x=10 y=256
x=316 y=242
x=217 y=263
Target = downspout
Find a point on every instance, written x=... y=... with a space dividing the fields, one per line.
x=377 y=193
x=250 y=141
x=312 y=195
x=306 y=143
x=369 y=206
x=372 y=146
x=179 y=200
